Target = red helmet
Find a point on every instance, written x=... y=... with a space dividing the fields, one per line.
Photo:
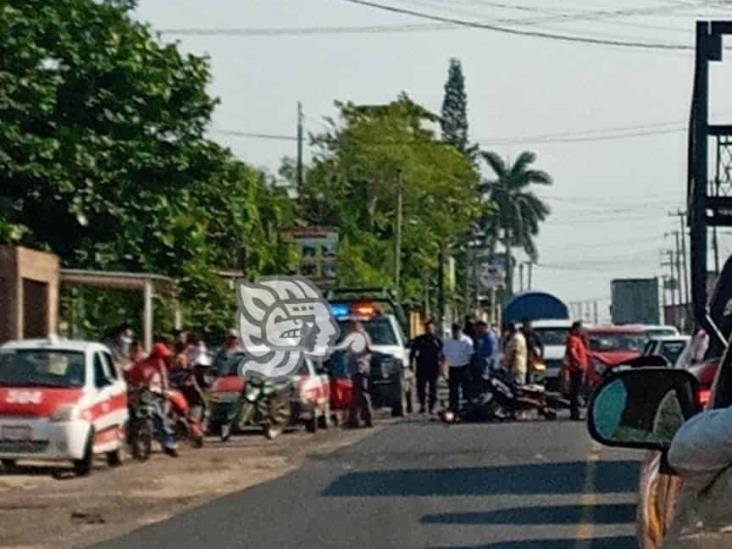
x=161 y=350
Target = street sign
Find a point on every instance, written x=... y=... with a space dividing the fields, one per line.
x=492 y=275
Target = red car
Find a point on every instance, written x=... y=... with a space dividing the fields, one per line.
x=611 y=346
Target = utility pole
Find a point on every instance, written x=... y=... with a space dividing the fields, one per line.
x=688 y=313
x=677 y=266
x=672 y=282
x=398 y=235
x=521 y=276
x=531 y=274
x=664 y=282
x=299 y=168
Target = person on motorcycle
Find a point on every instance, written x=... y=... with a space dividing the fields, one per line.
x=152 y=374
x=182 y=377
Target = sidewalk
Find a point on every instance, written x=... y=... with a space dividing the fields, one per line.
x=50 y=507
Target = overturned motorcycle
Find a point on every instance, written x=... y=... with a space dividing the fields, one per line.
x=499 y=398
x=263 y=402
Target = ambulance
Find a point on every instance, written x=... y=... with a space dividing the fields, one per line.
x=61 y=400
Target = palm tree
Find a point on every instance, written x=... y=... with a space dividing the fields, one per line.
x=518 y=211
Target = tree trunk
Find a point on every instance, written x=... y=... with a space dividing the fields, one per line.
x=509 y=267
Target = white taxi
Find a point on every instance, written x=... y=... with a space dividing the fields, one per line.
x=60 y=400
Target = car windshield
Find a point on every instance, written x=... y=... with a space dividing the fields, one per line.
x=672 y=350
x=552 y=336
x=607 y=342
x=42 y=368
x=380 y=330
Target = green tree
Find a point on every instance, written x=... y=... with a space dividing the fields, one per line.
x=454 y=119
x=518 y=211
x=103 y=158
x=353 y=184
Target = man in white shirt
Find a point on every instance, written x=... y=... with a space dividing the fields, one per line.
x=458 y=351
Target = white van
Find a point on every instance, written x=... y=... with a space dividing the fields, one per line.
x=553 y=334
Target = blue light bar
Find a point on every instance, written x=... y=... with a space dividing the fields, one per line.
x=340 y=310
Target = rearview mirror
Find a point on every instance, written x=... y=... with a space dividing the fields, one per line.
x=642 y=408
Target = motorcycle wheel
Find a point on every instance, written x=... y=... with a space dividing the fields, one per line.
x=141 y=435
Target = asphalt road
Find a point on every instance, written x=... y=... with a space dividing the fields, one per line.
x=421 y=484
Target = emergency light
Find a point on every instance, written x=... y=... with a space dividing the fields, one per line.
x=340 y=310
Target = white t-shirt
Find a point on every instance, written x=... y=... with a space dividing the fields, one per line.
x=458 y=351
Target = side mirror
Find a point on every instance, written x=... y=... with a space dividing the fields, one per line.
x=642 y=408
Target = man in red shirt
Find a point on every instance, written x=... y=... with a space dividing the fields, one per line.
x=152 y=373
x=576 y=361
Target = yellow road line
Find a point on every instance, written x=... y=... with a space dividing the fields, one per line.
x=586 y=528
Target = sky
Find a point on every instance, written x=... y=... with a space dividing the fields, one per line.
x=607 y=122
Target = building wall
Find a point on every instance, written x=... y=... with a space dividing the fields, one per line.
x=28 y=293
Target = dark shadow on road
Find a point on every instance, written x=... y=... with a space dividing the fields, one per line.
x=543 y=478
x=618 y=542
x=559 y=514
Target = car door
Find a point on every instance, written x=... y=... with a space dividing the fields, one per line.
x=102 y=411
x=117 y=390
x=703 y=507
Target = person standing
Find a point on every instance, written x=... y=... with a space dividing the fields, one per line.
x=486 y=351
x=534 y=346
x=576 y=360
x=427 y=353
x=516 y=359
x=230 y=348
x=358 y=345
x=458 y=351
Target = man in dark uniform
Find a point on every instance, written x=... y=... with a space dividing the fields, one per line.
x=427 y=353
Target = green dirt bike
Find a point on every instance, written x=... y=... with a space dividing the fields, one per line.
x=262 y=402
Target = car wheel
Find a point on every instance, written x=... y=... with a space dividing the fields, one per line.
x=115 y=458
x=324 y=419
x=83 y=466
x=410 y=400
x=398 y=409
x=9 y=463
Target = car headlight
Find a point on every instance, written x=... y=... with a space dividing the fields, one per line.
x=65 y=412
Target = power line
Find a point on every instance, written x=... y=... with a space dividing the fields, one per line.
x=520 y=32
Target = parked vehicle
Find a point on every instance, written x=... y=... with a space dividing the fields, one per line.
x=660 y=488
x=634 y=301
x=675 y=349
x=308 y=396
x=263 y=403
x=61 y=400
x=186 y=425
x=392 y=381
x=553 y=334
x=660 y=330
x=611 y=346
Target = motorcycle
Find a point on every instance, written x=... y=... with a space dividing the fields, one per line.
x=186 y=425
x=187 y=407
x=262 y=402
x=498 y=398
x=141 y=429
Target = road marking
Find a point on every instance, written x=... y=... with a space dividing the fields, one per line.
x=586 y=528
